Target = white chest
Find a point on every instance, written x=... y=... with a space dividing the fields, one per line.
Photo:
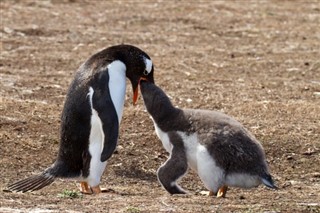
x=198 y=157
x=190 y=142
x=96 y=142
x=117 y=88
x=117 y=85
x=192 y=147
x=164 y=138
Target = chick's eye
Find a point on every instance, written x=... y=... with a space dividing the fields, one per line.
x=145 y=72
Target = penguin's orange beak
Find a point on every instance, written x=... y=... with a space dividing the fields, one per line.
x=136 y=90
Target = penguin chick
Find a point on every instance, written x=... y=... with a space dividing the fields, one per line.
x=91 y=117
x=213 y=144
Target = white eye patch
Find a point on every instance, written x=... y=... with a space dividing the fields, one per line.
x=148 y=63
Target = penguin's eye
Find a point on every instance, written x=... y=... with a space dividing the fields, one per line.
x=145 y=72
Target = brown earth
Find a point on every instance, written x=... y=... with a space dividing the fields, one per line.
x=258 y=61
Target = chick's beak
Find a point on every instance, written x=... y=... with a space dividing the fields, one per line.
x=136 y=90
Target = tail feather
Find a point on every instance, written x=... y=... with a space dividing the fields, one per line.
x=268 y=181
x=58 y=169
x=32 y=183
x=44 y=183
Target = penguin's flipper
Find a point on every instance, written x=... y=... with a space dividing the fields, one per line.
x=111 y=130
x=103 y=104
x=175 y=167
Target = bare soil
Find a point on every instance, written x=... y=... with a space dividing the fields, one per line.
x=257 y=61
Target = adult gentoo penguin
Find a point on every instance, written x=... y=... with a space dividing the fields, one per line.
x=213 y=144
x=91 y=116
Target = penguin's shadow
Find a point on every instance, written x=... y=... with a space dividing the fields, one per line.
x=136 y=173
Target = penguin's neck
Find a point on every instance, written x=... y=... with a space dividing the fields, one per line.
x=117 y=86
x=159 y=105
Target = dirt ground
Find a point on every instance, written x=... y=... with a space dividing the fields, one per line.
x=257 y=61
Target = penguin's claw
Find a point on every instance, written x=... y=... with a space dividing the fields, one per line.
x=207 y=193
x=222 y=191
x=105 y=190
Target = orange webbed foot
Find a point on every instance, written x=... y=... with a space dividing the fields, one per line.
x=222 y=191
x=84 y=188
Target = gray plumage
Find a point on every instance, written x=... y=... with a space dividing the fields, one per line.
x=214 y=144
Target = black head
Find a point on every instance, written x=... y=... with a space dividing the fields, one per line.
x=138 y=63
